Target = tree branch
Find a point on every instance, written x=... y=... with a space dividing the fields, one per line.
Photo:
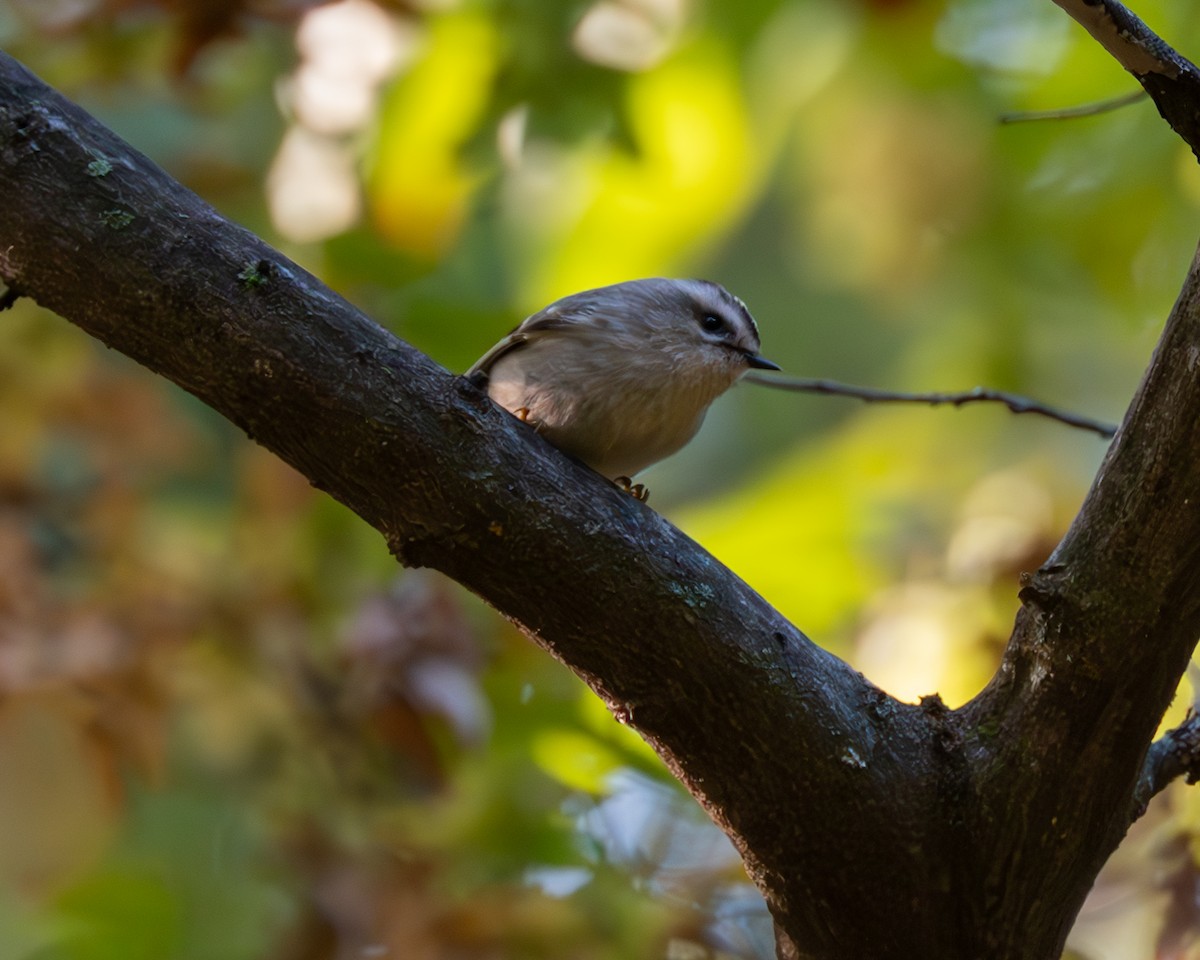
x=751 y=715
x=874 y=828
x=1173 y=755
x=1014 y=402
x=1105 y=632
x=1172 y=81
x=1074 y=113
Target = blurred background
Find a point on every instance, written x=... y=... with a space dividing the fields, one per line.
x=231 y=727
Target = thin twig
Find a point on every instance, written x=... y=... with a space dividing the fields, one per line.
x=1015 y=403
x=1070 y=113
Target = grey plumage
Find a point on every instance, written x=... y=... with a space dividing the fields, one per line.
x=622 y=376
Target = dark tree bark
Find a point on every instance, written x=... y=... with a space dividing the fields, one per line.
x=874 y=828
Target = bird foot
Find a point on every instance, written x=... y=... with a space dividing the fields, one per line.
x=522 y=414
x=636 y=490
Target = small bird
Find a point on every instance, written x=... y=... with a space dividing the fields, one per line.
x=622 y=376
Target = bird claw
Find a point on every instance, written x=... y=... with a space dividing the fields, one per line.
x=636 y=490
x=522 y=414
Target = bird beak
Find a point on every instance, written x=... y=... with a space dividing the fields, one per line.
x=761 y=363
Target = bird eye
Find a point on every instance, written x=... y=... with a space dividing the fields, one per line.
x=712 y=324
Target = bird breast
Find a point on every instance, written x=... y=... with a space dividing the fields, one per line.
x=617 y=418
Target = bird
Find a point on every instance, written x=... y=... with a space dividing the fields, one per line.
x=621 y=376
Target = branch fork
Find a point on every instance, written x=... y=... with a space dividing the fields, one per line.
x=974 y=832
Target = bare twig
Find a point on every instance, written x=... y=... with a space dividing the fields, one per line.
x=1175 y=754
x=1071 y=113
x=1015 y=403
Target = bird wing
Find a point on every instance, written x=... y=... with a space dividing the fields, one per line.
x=532 y=328
x=482 y=367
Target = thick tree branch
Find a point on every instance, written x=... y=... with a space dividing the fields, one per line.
x=874 y=828
x=755 y=719
x=1105 y=632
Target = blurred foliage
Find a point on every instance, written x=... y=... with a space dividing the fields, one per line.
x=230 y=727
